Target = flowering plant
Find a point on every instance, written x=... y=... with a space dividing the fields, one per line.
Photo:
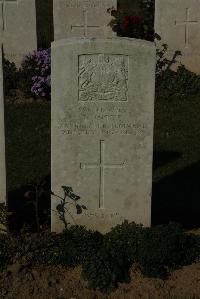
x=36 y=74
x=131 y=21
x=134 y=19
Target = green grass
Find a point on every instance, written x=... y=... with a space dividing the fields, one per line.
x=27 y=142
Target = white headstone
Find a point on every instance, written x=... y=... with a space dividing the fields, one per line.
x=2 y=138
x=102 y=129
x=78 y=18
x=18 y=28
x=178 y=24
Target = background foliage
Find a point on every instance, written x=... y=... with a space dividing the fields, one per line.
x=35 y=74
x=134 y=19
x=45 y=31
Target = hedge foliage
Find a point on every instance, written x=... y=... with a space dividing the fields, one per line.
x=106 y=259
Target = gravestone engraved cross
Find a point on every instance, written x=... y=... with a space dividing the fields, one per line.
x=101 y=166
x=85 y=26
x=3 y=2
x=187 y=23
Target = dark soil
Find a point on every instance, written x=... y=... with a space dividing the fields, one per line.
x=50 y=282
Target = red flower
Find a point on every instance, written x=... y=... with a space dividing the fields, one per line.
x=135 y=19
x=126 y=21
x=131 y=20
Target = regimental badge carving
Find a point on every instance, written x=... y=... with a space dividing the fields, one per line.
x=103 y=77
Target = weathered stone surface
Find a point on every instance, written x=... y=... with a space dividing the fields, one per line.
x=178 y=24
x=102 y=129
x=18 y=28
x=78 y=18
x=2 y=139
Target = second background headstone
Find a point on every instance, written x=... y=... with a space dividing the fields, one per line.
x=78 y=18
x=178 y=24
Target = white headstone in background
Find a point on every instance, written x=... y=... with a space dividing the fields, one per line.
x=78 y=18
x=2 y=138
x=178 y=24
x=102 y=129
x=18 y=28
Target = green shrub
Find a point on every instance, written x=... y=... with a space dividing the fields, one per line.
x=111 y=264
x=26 y=73
x=169 y=82
x=181 y=82
x=106 y=268
x=74 y=246
x=10 y=77
x=157 y=250
x=106 y=259
x=124 y=238
x=164 y=248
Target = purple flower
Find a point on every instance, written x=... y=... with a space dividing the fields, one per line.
x=38 y=64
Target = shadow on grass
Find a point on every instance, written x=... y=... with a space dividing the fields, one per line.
x=161 y=158
x=176 y=198
x=21 y=204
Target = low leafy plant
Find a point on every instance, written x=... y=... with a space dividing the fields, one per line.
x=106 y=268
x=11 y=79
x=163 y=64
x=74 y=246
x=35 y=74
x=182 y=82
x=164 y=248
x=129 y=243
x=124 y=238
x=106 y=259
x=111 y=263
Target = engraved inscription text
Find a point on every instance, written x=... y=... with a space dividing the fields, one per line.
x=90 y=3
